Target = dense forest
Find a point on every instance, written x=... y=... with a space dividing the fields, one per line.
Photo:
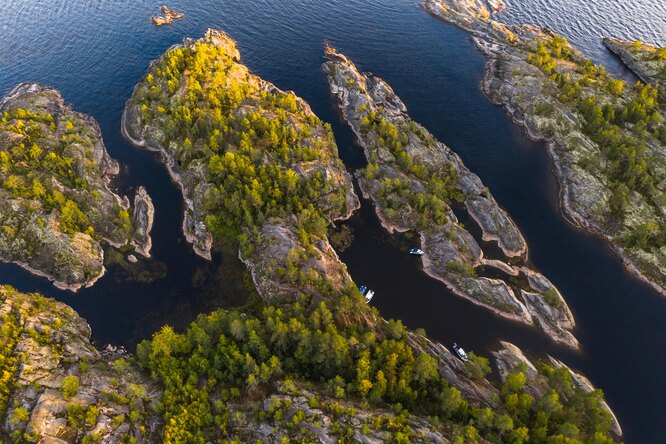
x=240 y=357
x=298 y=369
x=261 y=152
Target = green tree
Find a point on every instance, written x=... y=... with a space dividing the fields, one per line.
x=70 y=386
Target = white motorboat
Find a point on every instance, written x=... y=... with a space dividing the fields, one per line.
x=460 y=352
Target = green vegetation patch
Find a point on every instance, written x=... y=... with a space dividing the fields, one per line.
x=260 y=152
x=233 y=358
x=56 y=206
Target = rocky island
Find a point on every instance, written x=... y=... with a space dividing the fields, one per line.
x=415 y=181
x=243 y=152
x=647 y=61
x=168 y=16
x=606 y=137
x=306 y=361
x=310 y=360
x=57 y=208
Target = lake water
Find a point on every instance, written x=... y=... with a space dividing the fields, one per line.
x=94 y=52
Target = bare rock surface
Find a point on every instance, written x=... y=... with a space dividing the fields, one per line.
x=64 y=389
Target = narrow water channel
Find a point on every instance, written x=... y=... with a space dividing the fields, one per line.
x=95 y=52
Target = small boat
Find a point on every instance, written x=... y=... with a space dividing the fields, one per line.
x=369 y=295
x=416 y=252
x=460 y=352
x=363 y=289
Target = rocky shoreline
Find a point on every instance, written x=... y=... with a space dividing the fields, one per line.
x=570 y=215
x=581 y=194
x=279 y=242
x=60 y=373
x=193 y=183
x=554 y=149
x=78 y=197
x=451 y=254
x=638 y=57
x=195 y=233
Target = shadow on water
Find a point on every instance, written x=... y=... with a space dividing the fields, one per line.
x=123 y=311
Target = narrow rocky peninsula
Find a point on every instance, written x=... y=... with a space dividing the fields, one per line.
x=510 y=360
x=606 y=137
x=57 y=209
x=55 y=387
x=166 y=16
x=647 y=61
x=415 y=181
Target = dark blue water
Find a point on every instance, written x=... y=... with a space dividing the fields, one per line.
x=94 y=52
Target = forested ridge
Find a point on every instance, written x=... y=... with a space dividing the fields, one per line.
x=231 y=361
x=620 y=118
